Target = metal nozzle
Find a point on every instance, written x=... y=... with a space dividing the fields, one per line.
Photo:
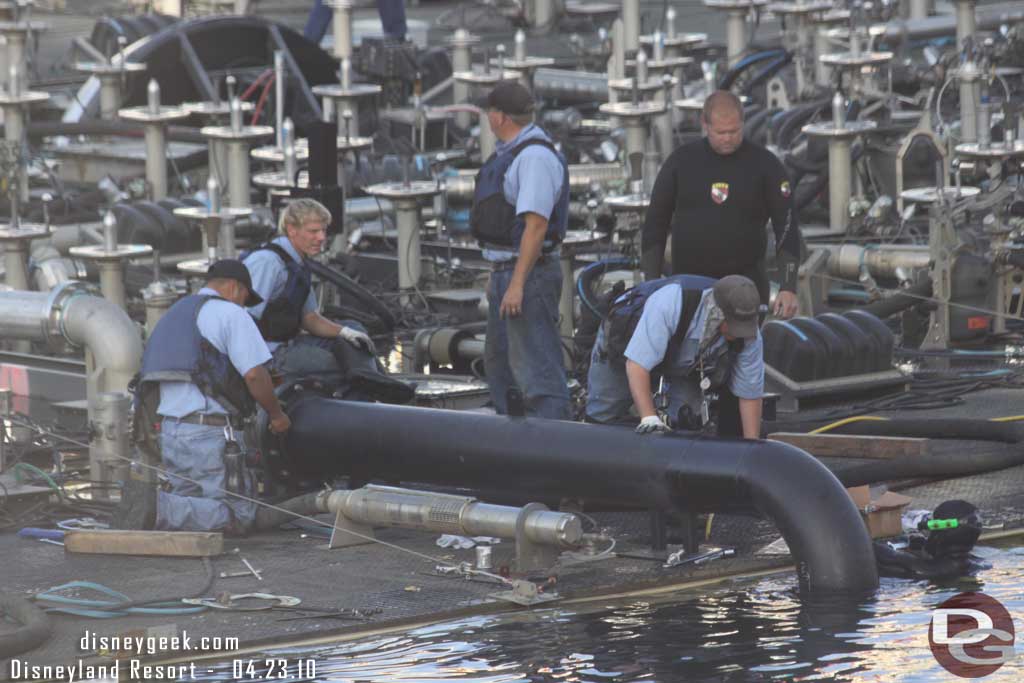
x=520 y=46
x=236 y=115
x=347 y=116
x=153 y=96
x=641 y=66
x=229 y=84
x=346 y=73
x=109 y=232
x=213 y=193
x=838 y=110
x=670 y=22
x=658 y=48
x=14 y=80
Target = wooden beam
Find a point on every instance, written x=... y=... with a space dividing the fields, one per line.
x=161 y=543
x=853 y=446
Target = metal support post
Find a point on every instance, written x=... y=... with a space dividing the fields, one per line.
x=110 y=95
x=109 y=457
x=838 y=183
x=14 y=132
x=487 y=140
x=631 y=25
x=966 y=21
x=407 y=220
x=238 y=174
x=918 y=9
x=342 y=29
x=735 y=35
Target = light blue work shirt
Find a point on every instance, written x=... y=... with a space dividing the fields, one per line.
x=533 y=182
x=270 y=275
x=232 y=331
x=657 y=324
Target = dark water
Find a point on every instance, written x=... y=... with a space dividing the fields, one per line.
x=741 y=632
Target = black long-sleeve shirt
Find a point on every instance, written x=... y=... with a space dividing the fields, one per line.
x=715 y=208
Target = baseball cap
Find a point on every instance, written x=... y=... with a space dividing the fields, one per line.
x=233 y=269
x=509 y=97
x=740 y=302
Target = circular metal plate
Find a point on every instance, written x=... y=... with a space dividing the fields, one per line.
x=197 y=266
x=850 y=60
x=927 y=195
x=993 y=151
x=246 y=133
x=143 y=115
x=354 y=90
x=481 y=78
x=628 y=202
x=201 y=213
x=528 y=63
x=25 y=231
x=626 y=84
x=96 y=252
x=734 y=4
x=106 y=68
x=277 y=180
x=827 y=130
x=396 y=190
x=799 y=7
x=25 y=97
x=628 y=109
x=678 y=40
x=222 y=108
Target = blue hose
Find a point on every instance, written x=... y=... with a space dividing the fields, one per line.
x=590 y=272
x=80 y=606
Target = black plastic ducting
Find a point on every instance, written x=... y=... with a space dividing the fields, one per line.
x=549 y=459
x=828 y=346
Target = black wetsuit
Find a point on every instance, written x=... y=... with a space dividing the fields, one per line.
x=716 y=208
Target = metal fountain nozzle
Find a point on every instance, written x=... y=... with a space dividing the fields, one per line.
x=236 y=115
x=520 y=46
x=213 y=193
x=109 y=232
x=153 y=96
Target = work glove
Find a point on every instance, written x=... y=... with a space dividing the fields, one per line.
x=358 y=339
x=652 y=424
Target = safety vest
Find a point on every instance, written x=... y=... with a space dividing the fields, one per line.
x=178 y=352
x=282 y=317
x=493 y=221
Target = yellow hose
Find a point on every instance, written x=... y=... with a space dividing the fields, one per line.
x=848 y=420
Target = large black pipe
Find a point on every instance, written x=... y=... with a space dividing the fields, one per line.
x=543 y=458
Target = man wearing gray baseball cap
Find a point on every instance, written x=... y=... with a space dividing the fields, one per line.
x=700 y=339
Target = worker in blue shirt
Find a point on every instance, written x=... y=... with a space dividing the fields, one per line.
x=720 y=352
x=283 y=280
x=208 y=359
x=520 y=213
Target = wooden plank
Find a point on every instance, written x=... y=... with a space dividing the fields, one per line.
x=854 y=446
x=161 y=543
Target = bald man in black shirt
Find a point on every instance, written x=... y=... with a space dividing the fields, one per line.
x=715 y=196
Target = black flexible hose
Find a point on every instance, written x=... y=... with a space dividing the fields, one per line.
x=356 y=291
x=270 y=518
x=922 y=428
x=35 y=626
x=915 y=294
x=960 y=459
x=591 y=273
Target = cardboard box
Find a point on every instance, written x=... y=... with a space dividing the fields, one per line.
x=882 y=510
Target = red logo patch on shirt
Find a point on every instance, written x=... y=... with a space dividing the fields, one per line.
x=784 y=189
x=719 y=192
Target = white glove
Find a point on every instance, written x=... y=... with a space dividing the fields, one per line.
x=652 y=424
x=358 y=339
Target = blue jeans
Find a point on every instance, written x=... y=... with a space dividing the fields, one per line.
x=609 y=399
x=526 y=351
x=392 y=18
x=199 y=503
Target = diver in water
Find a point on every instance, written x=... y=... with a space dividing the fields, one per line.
x=941 y=550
